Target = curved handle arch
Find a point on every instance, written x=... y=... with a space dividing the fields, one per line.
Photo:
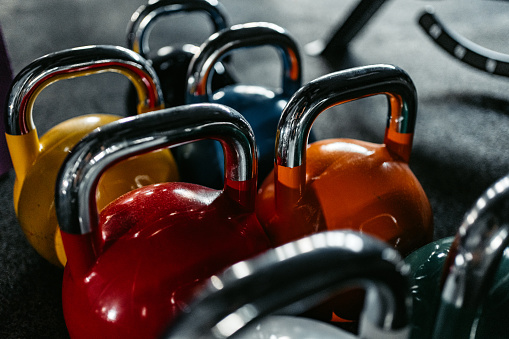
x=241 y=36
x=112 y=143
x=75 y=62
x=335 y=89
x=21 y=132
x=143 y=20
x=301 y=274
x=473 y=259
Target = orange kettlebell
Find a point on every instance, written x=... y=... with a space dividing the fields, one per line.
x=37 y=161
x=344 y=183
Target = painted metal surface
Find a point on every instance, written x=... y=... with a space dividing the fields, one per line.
x=176 y=234
x=37 y=160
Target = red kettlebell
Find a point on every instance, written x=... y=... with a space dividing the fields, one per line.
x=176 y=234
x=343 y=183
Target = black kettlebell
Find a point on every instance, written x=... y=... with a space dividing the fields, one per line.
x=171 y=62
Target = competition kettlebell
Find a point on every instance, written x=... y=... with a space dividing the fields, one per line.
x=240 y=302
x=171 y=62
x=345 y=183
x=176 y=234
x=261 y=106
x=460 y=284
x=37 y=160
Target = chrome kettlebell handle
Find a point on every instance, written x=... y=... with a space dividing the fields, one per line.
x=109 y=144
x=478 y=248
x=255 y=34
x=340 y=87
x=72 y=63
x=470 y=267
x=143 y=20
x=297 y=276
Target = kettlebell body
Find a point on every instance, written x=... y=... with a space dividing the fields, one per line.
x=37 y=161
x=460 y=284
x=352 y=184
x=342 y=183
x=171 y=62
x=243 y=300
x=175 y=235
x=261 y=106
x=427 y=266
x=189 y=247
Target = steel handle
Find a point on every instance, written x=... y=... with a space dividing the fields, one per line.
x=143 y=20
x=296 y=276
x=109 y=144
x=220 y=44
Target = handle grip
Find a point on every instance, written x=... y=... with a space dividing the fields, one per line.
x=241 y=36
x=335 y=89
x=73 y=63
x=21 y=133
x=143 y=20
x=474 y=258
x=461 y=48
x=297 y=276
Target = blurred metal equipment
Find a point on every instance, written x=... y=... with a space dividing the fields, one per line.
x=461 y=48
x=337 y=42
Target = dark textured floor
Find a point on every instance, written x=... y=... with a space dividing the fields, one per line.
x=460 y=144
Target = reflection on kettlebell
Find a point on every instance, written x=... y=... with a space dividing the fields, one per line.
x=177 y=234
x=261 y=106
x=37 y=161
x=171 y=62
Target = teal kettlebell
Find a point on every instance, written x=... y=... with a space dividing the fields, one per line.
x=460 y=285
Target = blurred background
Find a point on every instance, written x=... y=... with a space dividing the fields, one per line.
x=460 y=144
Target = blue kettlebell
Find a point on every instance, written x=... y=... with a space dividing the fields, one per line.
x=171 y=62
x=260 y=106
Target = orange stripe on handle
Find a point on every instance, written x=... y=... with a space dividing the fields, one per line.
x=399 y=144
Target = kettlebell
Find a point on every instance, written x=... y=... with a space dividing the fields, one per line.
x=261 y=106
x=460 y=284
x=37 y=161
x=345 y=183
x=241 y=301
x=171 y=62
x=176 y=234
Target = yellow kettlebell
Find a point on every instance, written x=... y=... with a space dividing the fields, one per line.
x=37 y=161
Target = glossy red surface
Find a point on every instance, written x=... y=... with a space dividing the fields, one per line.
x=177 y=234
